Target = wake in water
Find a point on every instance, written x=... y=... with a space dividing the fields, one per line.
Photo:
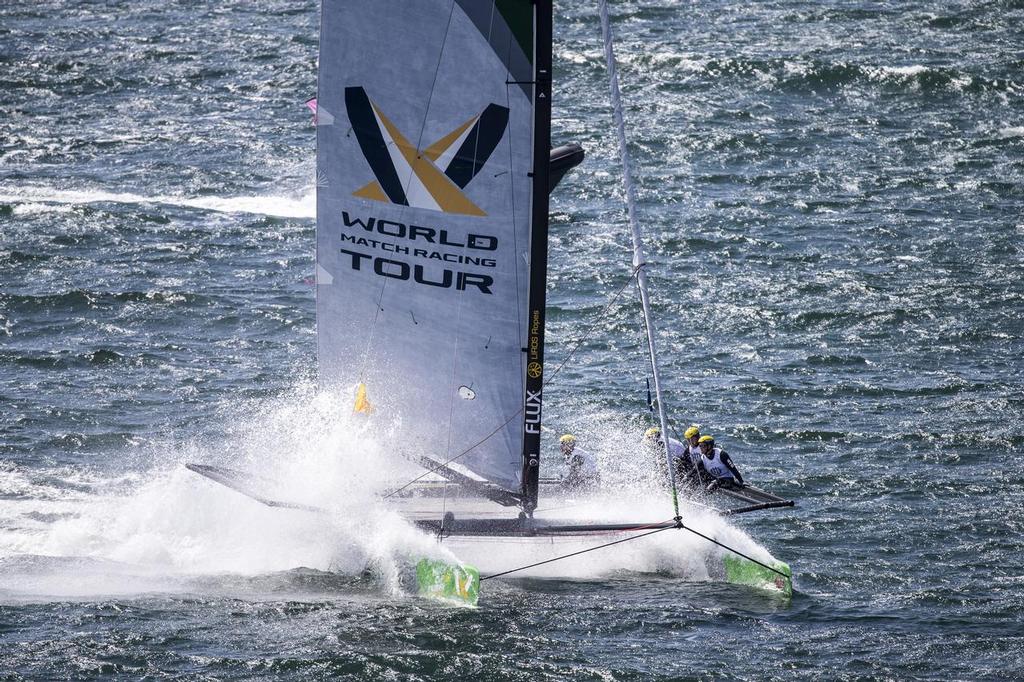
x=36 y=199
x=71 y=533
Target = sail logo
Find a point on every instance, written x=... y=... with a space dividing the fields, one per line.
x=533 y=402
x=432 y=178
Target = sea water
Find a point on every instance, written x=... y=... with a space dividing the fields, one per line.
x=831 y=196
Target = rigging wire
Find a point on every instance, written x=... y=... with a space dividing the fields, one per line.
x=365 y=357
x=582 y=551
x=600 y=316
x=734 y=551
x=677 y=525
x=551 y=375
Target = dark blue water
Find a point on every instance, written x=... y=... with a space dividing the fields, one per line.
x=833 y=199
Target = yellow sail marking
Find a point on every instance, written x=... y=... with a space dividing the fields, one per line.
x=445 y=192
x=362 y=405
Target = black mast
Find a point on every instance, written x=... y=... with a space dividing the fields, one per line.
x=538 y=252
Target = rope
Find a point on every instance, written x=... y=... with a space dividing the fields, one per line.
x=586 y=334
x=582 y=551
x=678 y=526
x=449 y=461
x=734 y=551
x=551 y=375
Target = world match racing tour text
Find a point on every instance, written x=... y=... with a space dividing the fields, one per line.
x=433 y=276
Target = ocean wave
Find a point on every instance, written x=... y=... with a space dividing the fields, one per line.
x=18 y=257
x=836 y=360
x=34 y=208
x=812 y=74
x=81 y=300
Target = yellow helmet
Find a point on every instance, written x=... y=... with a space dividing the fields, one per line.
x=653 y=432
x=567 y=438
x=691 y=432
x=706 y=439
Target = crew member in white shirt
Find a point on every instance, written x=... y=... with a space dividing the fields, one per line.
x=718 y=465
x=684 y=462
x=581 y=465
x=691 y=436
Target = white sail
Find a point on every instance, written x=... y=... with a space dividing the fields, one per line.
x=424 y=201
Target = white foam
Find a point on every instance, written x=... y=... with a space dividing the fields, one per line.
x=633 y=493
x=156 y=530
x=175 y=523
x=34 y=208
x=34 y=199
x=677 y=553
x=1008 y=132
x=912 y=70
x=896 y=73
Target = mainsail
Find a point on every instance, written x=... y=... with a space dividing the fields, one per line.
x=433 y=138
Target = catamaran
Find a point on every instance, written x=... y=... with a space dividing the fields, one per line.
x=434 y=168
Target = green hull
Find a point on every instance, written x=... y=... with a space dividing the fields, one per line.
x=740 y=571
x=448 y=582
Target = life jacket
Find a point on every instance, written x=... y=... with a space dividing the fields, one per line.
x=581 y=462
x=715 y=466
x=676 y=449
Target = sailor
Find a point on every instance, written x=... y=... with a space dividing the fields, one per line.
x=684 y=463
x=582 y=466
x=692 y=435
x=718 y=465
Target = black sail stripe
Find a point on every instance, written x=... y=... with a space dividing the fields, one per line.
x=478 y=145
x=373 y=144
x=500 y=36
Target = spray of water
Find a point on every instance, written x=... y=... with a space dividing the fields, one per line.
x=632 y=491
x=76 y=533
x=170 y=522
x=36 y=199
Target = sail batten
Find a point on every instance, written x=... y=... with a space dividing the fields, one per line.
x=426 y=222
